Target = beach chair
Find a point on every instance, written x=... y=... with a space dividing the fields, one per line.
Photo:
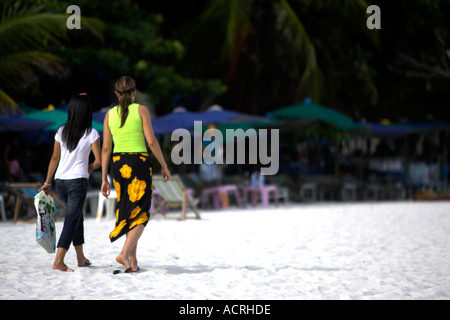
x=2 y=208
x=173 y=194
x=26 y=192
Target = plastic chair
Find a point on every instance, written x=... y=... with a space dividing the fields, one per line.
x=212 y=192
x=349 y=192
x=308 y=192
x=110 y=205
x=264 y=192
x=92 y=200
x=283 y=193
x=220 y=197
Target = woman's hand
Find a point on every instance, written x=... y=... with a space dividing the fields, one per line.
x=106 y=189
x=46 y=187
x=165 y=173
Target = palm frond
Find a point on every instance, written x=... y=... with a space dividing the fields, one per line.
x=342 y=4
x=230 y=17
x=38 y=31
x=7 y=104
x=304 y=59
x=237 y=24
x=22 y=70
x=353 y=4
x=26 y=36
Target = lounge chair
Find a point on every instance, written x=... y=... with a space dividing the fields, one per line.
x=26 y=192
x=2 y=208
x=173 y=194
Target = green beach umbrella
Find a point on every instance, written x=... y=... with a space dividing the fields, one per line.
x=58 y=117
x=310 y=110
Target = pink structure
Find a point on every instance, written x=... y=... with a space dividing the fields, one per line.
x=219 y=196
x=264 y=192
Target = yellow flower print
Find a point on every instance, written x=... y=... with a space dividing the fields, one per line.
x=116 y=158
x=143 y=159
x=136 y=189
x=140 y=220
x=117 y=229
x=117 y=187
x=135 y=212
x=125 y=171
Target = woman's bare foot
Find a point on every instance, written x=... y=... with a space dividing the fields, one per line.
x=84 y=263
x=62 y=267
x=125 y=261
x=59 y=264
x=82 y=260
x=134 y=263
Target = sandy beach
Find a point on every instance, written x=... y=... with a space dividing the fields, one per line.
x=330 y=251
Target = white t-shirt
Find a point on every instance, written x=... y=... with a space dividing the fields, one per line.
x=74 y=165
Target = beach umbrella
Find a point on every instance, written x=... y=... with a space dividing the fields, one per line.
x=310 y=110
x=178 y=118
x=58 y=117
x=19 y=124
x=216 y=114
x=387 y=129
x=248 y=128
x=182 y=118
x=227 y=119
x=99 y=116
x=383 y=130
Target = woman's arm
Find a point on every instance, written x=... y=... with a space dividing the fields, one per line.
x=54 y=160
x=97 y=155
x=152 y=142
x=106 y=155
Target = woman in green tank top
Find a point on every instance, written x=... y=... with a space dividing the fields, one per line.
x=128 y=125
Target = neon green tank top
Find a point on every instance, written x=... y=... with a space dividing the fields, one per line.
x=129 y=138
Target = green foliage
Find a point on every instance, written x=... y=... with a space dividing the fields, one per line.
x=134 y=46
x=270 y=52
x=27 y=35
x=266 y=53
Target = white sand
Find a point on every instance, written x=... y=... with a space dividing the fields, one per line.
x=321 y=251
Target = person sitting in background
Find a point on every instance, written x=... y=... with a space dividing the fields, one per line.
x=12 y=160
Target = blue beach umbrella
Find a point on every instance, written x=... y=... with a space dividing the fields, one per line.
x=19 y=124
x=99 y=116
x=216 y=114
x=179 y=118
x=383 y=130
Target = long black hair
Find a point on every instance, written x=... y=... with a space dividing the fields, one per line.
x=79 y=120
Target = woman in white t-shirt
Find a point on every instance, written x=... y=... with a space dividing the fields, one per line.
x=73 y=144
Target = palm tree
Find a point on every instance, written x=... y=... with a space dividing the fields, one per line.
x=258 y=33
x=27 y=35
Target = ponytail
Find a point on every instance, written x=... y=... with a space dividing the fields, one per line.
x=125 y=87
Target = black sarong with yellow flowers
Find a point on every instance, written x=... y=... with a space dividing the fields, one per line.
x=132 y=179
